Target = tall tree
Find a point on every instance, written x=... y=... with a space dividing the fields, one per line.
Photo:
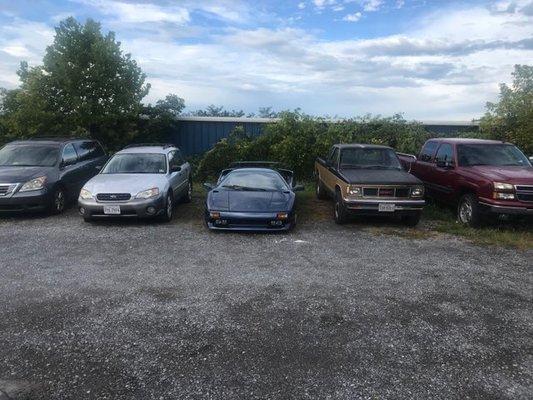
x=86 y=84
x=511 y=118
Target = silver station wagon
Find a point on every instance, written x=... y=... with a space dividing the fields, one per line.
x=143 y=180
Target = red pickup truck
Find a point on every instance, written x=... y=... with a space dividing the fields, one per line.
x=479 y=176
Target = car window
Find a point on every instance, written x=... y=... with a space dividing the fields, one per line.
x=491 y=154
x=29 y=156
x=174 y=159
x=373 y=158
x=334 y=156
x=69 y=154
x=427 y=152
x=253 y=179
x=445 y=153
x=88 y=150
x=136 y=163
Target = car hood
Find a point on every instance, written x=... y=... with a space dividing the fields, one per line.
x=125 y=183
x=379 y=177
x=507 y=174
x=23 y=174
x=249 y=201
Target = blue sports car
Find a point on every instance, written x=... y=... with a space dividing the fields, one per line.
x=252 y=196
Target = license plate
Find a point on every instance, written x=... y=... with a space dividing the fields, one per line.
x=385 y=207
x=113 y=210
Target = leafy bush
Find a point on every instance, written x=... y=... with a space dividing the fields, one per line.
x=297 y=139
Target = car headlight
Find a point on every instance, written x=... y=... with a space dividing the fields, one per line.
x=85 y=194
x=503 y=196
x=34 y=184
x=503 y=186
x=355 y=191
x=146 y=194
x=417 y=191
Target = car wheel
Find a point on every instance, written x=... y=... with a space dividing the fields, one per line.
x=411 y=219
x=320 y=190
x=169 y=209
x=468 y=212
x=59 y=201
x=188 y=196
x=340 y=212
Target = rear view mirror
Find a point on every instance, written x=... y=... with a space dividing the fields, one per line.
x=208 y=186
x=298 y=188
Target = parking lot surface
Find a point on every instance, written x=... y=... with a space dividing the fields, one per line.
x=135 y=310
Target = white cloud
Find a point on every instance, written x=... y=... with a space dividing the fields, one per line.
x=352 y=17
x=445 y=66
x=372 y=5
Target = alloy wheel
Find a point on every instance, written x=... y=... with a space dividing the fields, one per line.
x=465 y=212
x=169 y=206
x=59 y=200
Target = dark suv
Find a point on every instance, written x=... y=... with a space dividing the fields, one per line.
x=44 y=173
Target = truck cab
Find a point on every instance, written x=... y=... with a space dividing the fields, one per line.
x=479 y=177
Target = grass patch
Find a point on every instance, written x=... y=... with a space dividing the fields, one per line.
x=513 y=233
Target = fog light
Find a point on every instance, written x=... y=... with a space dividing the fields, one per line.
x=82 y=211
x=150 y=210
x=276 y=223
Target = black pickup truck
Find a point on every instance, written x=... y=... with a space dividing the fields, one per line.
x=368 y=180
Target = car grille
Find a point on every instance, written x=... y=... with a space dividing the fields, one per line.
x=7 y=188
x=392 y=192
x=4 y=189
x=113 y=196
x=524 y=193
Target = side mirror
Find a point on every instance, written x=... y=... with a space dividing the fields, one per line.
x=208 y=186
x=65 y=163
x=175 y=168
x=98 y=167
x=298 y=188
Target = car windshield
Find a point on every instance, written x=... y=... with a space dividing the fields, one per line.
x=254 y=180
x=136 y=163
x=490 y=154
x=369 y=158
x=29 y=156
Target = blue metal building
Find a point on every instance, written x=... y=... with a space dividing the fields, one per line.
x=196 y=135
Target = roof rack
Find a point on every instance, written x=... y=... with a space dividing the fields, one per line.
x=163 y=145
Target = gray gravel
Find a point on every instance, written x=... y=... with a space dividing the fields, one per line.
x=128 y=310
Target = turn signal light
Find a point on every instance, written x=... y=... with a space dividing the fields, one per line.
x=214 y=215
x=282 y=215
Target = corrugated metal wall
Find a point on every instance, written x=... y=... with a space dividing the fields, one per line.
x=197 y=135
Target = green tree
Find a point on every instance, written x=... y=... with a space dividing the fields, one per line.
x=85 y=85
x=511 y=118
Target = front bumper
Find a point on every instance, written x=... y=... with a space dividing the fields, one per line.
x=371 y=206
x=503 y=208
x=92 y=208
x=245 y=221
x=35 y=200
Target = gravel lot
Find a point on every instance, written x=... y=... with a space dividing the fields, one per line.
x=129 y=310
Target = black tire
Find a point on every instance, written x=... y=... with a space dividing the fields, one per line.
x=293 y=223
x=88 y=219
x=168 y=212
x=187 y=197
x=59 y=201
x=320 y=190
x=468 y=212
x=411 y=219
x=340 y=212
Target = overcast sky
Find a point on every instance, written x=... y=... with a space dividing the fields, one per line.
x=432 y=59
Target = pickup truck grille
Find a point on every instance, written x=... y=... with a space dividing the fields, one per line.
x=524 y=193
x=388 y=192
x=113 y=196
